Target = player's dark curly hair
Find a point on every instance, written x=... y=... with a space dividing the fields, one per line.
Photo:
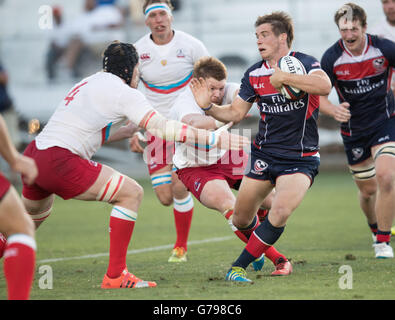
x=120 y=59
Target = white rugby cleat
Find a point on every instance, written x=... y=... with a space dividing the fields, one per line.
x=383 y=250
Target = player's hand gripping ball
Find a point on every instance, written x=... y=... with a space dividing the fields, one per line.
x=291 y=64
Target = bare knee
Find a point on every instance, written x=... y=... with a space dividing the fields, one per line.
x=165 y=198
x=279 y=215
x=130 y=195
x=367 y=191
x=385 y=179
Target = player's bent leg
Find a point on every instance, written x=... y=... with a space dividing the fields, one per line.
x=162 y=184
x=364 y=175
x=39 y=210
x=13 y=216
x=20 y=248
x=249 y=198
x=385 y=174
x=183 y=206
x=125 y=195
x=290 y=191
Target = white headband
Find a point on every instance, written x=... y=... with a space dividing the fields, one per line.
x=157 y=6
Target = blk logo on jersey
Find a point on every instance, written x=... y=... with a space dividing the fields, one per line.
x=357 y=152
x=259 y=167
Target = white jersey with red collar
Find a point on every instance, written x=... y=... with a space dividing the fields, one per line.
x=166 y=70
x=188 y=155
x=83 y=120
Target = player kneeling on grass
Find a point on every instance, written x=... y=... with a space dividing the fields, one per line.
x=210 y=174
x=285 y=153
x=77 y=129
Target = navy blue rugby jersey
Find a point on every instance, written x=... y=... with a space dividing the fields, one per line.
x=286 y=128
x=364 y=82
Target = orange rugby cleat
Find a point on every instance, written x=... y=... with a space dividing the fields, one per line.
x=125 y=280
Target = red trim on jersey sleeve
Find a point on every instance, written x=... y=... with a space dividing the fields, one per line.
x=149 y=118
x=314 y=104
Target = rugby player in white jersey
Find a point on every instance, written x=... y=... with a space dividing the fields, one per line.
x=167 y=57
x=77 y=129
x=210 y=174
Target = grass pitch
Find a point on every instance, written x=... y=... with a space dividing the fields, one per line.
x=328 y=231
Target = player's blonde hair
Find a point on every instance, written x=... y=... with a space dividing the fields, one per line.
x=281 y=22
x=210 y=67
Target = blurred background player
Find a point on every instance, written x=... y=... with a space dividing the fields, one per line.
x=76 y=43
x=360 y=66
x=285 y=153
x=167 y=57
x=386 y=29
x=211 y=174
x=79 y=127
x=17 y=243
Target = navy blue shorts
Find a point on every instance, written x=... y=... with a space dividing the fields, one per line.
x=264 y=166
x=358 y=148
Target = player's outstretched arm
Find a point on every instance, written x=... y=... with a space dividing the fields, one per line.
x=234 y=112
x=18 y=163
x=172 y=130
x=339 y=112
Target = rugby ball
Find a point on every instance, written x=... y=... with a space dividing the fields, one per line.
x=292 y=65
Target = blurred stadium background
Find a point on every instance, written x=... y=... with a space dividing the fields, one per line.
x=225 y=26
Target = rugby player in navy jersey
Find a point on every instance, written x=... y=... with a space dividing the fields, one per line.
x=285 y=153
x=360 y=68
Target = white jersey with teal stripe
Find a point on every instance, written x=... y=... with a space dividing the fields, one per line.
x=166 y=70
x=83 y=119
x=188 y=155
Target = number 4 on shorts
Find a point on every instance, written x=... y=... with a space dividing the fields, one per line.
x=71 y=95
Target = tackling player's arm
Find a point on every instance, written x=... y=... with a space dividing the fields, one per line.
x=172 y=130
x=234 y=112
x=124 y=132
x=201 y=121
x=316 y=82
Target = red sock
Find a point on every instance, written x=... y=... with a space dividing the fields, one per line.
x=256 y=247
x=121 y=228
x=19 y=264
x=183 y=212
x=273 y=255
x=3 y=243
x=383 y=236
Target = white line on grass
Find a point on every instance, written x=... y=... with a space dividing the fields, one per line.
x=158 y=248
